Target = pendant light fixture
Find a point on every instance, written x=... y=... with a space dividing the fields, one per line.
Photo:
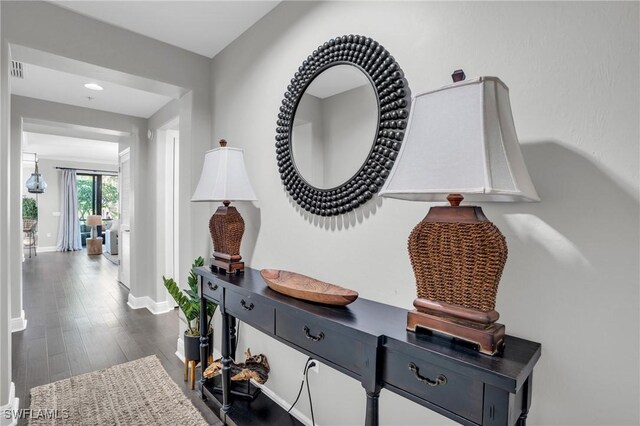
x=36 y=183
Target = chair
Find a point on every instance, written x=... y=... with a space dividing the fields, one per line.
x=85 y=232
x=29 y=229
x=111 y=241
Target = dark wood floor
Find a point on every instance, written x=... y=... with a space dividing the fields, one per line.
x=78 y=321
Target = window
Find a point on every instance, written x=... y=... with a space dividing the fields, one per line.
x=110 y=208
x=97 y=194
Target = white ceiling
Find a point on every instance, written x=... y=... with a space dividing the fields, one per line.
x=203 y=27
x=70 y=149
x=66 y=88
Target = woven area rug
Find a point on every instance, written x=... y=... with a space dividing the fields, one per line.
x=135 y=393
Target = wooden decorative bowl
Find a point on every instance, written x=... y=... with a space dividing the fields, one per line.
x=307 y=288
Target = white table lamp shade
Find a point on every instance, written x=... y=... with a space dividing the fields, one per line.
x=461 y=139
x=94 y=220
x=224 y=177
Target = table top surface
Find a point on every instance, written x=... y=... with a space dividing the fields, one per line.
x=508 y=370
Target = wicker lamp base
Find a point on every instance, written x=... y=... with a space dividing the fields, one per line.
x=458 y=256
x=226 y=227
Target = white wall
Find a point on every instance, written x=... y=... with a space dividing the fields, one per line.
x=571 y=281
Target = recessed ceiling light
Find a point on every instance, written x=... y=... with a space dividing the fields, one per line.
x=93 y=86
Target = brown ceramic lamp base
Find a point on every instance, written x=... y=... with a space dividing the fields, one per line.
x=477 y=327
x=221 y=262
x=226 y=227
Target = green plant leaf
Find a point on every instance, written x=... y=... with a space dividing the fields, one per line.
x=189 y=300
x=29 y=208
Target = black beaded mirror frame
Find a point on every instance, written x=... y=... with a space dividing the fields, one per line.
x=394 y=99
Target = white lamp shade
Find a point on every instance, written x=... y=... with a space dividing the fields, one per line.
x=224 y=177
x=94 y=220
x=461 y=139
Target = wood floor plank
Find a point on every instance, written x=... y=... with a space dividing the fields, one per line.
x=58 y=363
x=36 y=349
x=37 y=372
x=79 y=361
x=55 y=341
x=79 y=321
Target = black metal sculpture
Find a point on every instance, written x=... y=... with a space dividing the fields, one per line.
x=394 y=98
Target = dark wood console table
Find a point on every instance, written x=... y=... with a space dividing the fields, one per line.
x=366 y=340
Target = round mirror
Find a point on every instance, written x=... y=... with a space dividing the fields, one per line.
x=340 y=125
x=334 y=126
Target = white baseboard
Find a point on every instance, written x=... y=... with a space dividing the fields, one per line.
x=180 y=349
x=155 y=308
x=19 y=324
x=8 y=412
x=46 y=249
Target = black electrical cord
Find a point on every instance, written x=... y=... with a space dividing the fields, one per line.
x=312 y=364
x=309 y=364
x=235 y=348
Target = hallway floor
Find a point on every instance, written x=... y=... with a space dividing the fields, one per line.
x=78 y=321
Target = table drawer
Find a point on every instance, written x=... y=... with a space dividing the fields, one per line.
x=250 y=309
x=325 y=343
x=212 y=290
x=456 y=393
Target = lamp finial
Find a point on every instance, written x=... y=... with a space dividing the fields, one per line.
x=223 y=143
x=458 y=75
x=455 y=199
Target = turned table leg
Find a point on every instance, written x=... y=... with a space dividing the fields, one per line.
x=226 y=361
x=204 y=341
x=372 y=411
x=526 y=402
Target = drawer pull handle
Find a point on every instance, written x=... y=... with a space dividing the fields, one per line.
x=213 y=287
x=440 y=380
x=245 y=306
x=314 y=338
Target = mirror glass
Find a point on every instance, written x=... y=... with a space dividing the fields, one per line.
x=335 y=126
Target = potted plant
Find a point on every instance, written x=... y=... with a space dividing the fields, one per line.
x=189 y=303
x=29 y=208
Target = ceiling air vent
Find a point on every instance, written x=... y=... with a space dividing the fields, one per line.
x=17 y=69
